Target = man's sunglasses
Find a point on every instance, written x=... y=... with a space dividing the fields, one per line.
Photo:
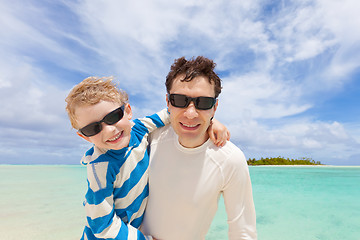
x=110 y=119
x=201 y=103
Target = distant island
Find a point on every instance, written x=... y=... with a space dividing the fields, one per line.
x=282 y=161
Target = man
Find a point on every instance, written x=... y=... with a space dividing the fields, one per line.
x=188 y=173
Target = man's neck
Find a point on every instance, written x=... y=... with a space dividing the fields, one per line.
x=194 y=142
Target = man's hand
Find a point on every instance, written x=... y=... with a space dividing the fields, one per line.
x=218 y=133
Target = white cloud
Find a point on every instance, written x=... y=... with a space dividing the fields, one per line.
x=28 y=99
x=302 y=32
x=260 y=96
x=319 y=140
x=277 y=59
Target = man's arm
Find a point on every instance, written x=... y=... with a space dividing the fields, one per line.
x=238 y=199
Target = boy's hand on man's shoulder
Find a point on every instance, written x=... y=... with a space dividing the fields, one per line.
x=218 y=133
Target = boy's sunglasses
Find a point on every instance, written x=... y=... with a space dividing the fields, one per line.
x=110 y=119
x=182 y=101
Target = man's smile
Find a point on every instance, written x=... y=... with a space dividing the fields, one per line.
x=189 y=126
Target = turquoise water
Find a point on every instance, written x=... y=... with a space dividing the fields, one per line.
x=45 y=202
x=303 y=203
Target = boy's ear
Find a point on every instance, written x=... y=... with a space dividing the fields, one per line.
x=128 y=111
x=84 y=137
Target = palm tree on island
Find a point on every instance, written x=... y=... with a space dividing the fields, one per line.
x=282 y=161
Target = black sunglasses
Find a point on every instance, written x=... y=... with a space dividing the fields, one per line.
x=182 y=101
x=110 y=119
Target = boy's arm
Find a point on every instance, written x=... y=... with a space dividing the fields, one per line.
x=218 y=133
x=151 y=123
x=99 y=206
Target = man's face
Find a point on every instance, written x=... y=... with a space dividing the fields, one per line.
x=116 y=136
x=189 y=123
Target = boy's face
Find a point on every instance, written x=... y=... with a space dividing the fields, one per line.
x=116 y=136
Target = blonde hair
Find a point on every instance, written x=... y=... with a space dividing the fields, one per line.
x=91 y=91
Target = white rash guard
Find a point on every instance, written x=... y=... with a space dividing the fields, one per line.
x=185 y=187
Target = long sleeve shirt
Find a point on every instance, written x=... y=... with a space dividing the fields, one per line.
x=118 y=184
x=186 y=184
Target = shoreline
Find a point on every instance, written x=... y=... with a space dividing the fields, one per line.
x=350 y=166
x=80 y=166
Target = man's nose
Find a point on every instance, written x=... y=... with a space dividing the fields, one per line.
x=190 y=111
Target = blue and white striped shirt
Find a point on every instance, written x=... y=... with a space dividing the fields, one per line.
x=118 y=184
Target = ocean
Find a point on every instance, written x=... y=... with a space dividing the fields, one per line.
x=42 y=202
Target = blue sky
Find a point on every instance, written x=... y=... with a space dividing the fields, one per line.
x=290 y=70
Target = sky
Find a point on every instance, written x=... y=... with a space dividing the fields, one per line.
x=290 y=70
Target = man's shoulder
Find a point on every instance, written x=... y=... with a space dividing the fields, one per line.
x=228 y=149
x=229 y=154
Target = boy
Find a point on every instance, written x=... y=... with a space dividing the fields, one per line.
x=117 y=164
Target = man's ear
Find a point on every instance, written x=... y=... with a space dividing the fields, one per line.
x=216 y=105
x=128 y=111
x=84 y=137
x=167 y=100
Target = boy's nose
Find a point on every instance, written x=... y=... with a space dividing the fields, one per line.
x=108 y=128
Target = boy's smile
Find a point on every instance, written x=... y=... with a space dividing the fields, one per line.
x=115 y=136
